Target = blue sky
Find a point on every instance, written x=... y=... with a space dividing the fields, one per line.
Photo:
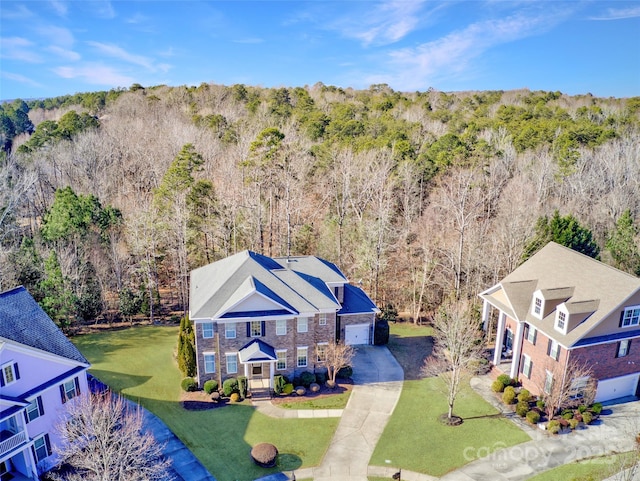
x=50 y=48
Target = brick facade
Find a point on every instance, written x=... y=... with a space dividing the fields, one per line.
x=603 y=361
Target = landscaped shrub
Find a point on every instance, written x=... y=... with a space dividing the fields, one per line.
x=279 y=382
x=189 y=384
x=540 y=404
x=287 y=388
x=235 y=397
x=524 y=396
x=573 y=423
x=229 y=386
x=497 y=386
x=381 y=332
x=242 y=386
x=509 y=395
x=587 y=417
x=533 y=417
x=567 y=414
x=596 y=408
x=553 y=426
x=321 y=376
x=345 y=372
x=210 y=386
x=505 y=379
x=522 y=408
x=578 y=417
x=307 y=378
x=264 y=454
x=582 y=408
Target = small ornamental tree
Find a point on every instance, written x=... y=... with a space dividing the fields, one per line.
x=186 y=348
x=336 y=356
x=103 y=438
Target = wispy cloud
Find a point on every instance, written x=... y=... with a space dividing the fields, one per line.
x=15 y=12
x=18 y=48
x=63 y=53
x=59 y=7
x=386 y=23
x=119 y=53
x=20 y=78
x=249 y=40
x=101 y=8
x=619 y=14
x=95 y=74
x=451 y=55
x=56 y=35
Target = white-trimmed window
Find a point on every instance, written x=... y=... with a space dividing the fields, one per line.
x=209 y=362
x=281 y=327
x=69 y=389
x=321 y=350
x=303 y=324
x=322 y=320
x=561 y=320
x=623 y=348
x=554 y=349
x=41 y=447
x=526 y=366
x=232 y=362
x=578 y=387
x=230 y=330
x=255 y=329
x=281 y=356
x=302 y=356
x=207 y=330
x=630 y=317
x=34 y=410
x=531 y=334
x=548 y=382
x=10 y=374
x=537 y=306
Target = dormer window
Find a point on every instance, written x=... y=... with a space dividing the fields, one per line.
x=561 y=321
x=537 y=307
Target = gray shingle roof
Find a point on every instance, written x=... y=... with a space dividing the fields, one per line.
x=23 y=321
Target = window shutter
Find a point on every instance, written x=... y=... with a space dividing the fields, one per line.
x=558 y=352
x=629 y=346
x=248 y=329
x=618 y=348
x=530 y=369
x=33 y=451
x=40 y=406
x=2 y=378
x=26 y=418
x=621 y=318
x=535 y=335
x=16 y=371
x=262 y=328
x=48 y=443
x=526 y=331
x=521 y=370
x=63 y=396
x=549 y=347
x=77 y=381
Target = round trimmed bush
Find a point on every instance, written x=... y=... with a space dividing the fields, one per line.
x=596 y=408
x=307 y=378
x=524 y=396
x=587 y=417
x=573 y=423
x=582 y=408
x=189 y=384
x=497 y=386
x=533 y=417
x=553 y=426
x=504 y=379
x=210 y=386
x=301 y=390
x=287 y=389
x=540 y=404
x=522 y=408
x=235 y=397
x=229 y=386
x=321 y=376
x=264 y=455
x=314 y=387
x=345 y=372
x=509 y=395
x=567 y=415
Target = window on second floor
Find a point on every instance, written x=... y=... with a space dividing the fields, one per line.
x=207 y=330
x=10 y=374
x=230 y=330
x=623 y=348
x=630 y=317
x=255 y=329
x=69 y=389
x=303 y=324
x=281 y=327
x=532 y=334
x=34 y=410
x=322 y=320
x=553 y=350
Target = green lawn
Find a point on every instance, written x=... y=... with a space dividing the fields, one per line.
x=139 y=363
x=337 y=401
x=595 y=469
x=415 y=440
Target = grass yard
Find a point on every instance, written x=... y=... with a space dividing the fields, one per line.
x=336 y=401
x=138 y=362
x=415 y=440
x=595 y=469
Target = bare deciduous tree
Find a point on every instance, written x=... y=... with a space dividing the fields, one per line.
x=336 y=355
x=565 y=384
x=457 y=348
x=103 y=440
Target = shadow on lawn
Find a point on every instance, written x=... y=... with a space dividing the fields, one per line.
x=119 y=381
x=411 y=352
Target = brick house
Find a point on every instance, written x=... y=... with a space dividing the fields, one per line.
x=259 y=316
x=41 y=371
x=561 y=306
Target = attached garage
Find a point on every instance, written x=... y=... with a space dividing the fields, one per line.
x=617 y=387
x=357 y=334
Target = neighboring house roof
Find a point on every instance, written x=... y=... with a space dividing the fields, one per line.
x=23 y=321
x=559 y=273
x=356 y=302
x=295 y=285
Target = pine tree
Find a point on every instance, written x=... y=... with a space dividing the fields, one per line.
x=186 y=348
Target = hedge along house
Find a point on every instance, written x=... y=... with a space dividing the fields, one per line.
x=259 y=316
x=41 y=371
x=561 y=306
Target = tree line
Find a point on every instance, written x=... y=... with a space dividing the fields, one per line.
x=109 y=199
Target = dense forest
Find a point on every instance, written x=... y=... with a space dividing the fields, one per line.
x=109 y=199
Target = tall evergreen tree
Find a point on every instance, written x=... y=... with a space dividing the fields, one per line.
x=623 y=244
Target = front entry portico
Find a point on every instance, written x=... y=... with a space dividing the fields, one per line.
x=259 y=361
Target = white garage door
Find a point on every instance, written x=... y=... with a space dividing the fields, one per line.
x=356 y=334
x=617 y=387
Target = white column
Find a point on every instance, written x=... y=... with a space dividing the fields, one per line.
x=502 y=320
x=517 y=349
x=486 y=309
x=246 y=370
x=272 y=371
